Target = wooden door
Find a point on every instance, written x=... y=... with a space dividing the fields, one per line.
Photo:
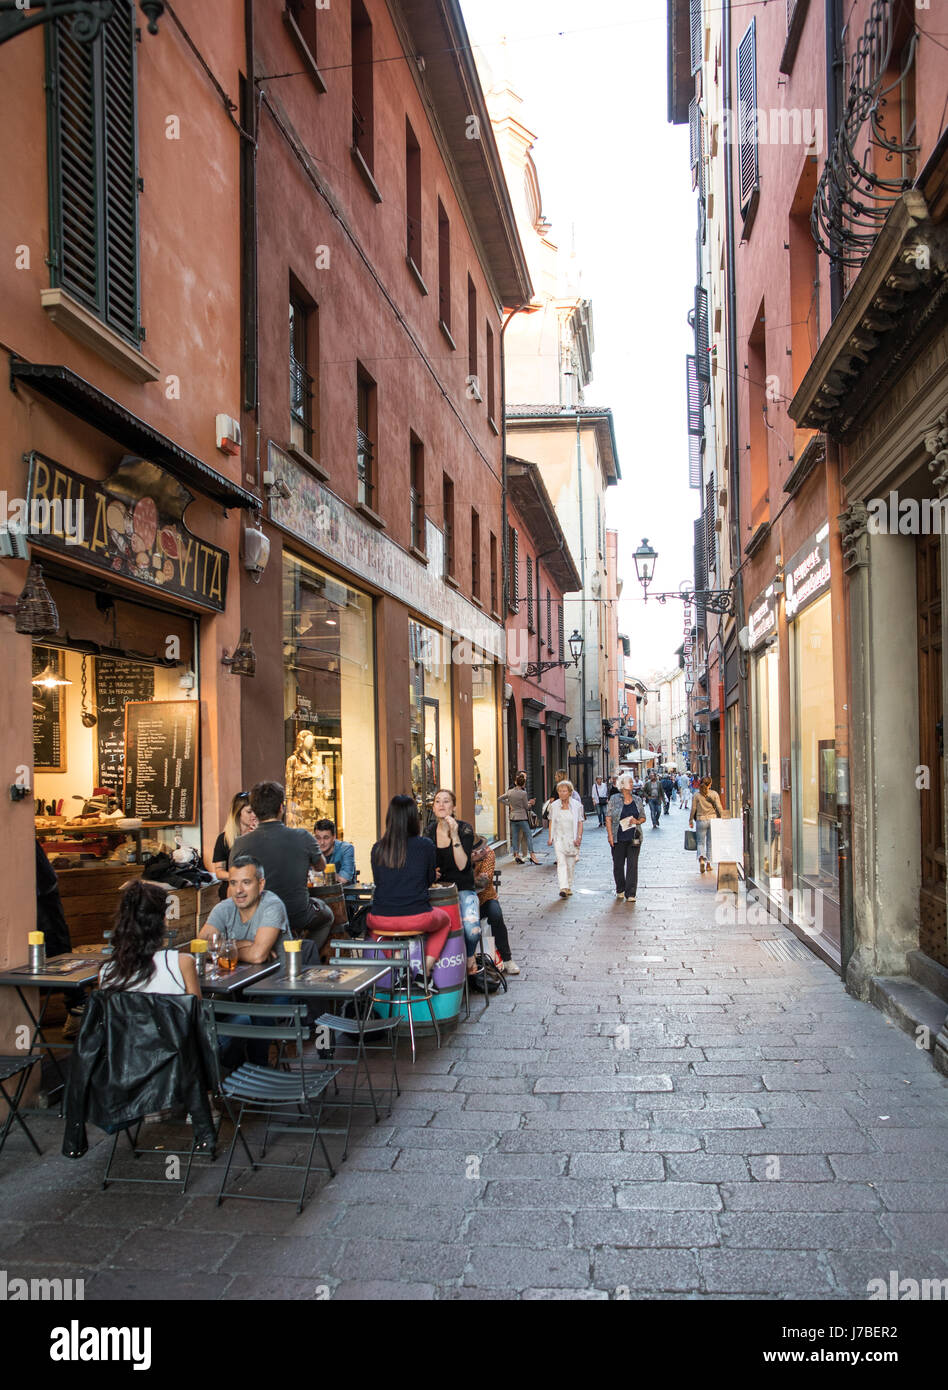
x=932 y=937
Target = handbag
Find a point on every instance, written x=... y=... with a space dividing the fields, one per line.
x=532 y=818
x=691 y=839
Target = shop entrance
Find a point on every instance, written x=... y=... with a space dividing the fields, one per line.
x=932 y=938
x=767 y=809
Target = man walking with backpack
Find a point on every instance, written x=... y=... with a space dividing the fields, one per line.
x=668 y=790
x=653 y=795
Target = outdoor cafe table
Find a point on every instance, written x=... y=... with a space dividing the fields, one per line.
x=62 y=975
x=224 y=984
x=352 y=984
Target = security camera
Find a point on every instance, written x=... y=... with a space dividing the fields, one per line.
x=743 y=639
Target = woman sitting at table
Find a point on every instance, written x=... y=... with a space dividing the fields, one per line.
x=137 y=964
x=403 y=868
x=454 y=844
x=240 y=821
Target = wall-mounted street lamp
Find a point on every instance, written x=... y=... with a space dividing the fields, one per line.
x=576 y=644
x=646 y=558
x=88 y=16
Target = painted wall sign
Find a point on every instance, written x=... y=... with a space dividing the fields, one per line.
x=808 y=573
x=130 y=524
x=321 y=519
x=762 y=619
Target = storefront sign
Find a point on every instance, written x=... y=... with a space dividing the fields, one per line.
x=130 y=524
x=808 y=573
x=762 y=620
x=324 y=522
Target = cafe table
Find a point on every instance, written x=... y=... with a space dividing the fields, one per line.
x=339 y=983
x=65 y=974
x=224 y=984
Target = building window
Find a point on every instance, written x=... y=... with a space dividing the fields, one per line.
x=484 y=721
x=329 y=705
x=431 y=715
x=362 y=83
x=93 y=173
x=531 y=626
x=490 y=376
x=513 y=558
x=301 y=15
x=444 y=267
x=417 y=450
x=447 y=495
x=475 y=554
x=303 y=352
x=413 y=196
x=747 y=156
x=758 y=422
x=472 y=340
x=366 y=436
x=493 y=573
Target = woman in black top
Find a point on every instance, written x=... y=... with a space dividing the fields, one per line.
x=454 y=844
x=403 y=868
x=240 y=822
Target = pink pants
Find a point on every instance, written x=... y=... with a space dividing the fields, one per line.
x=436 y=924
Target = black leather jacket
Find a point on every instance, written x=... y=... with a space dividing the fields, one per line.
x=137 y=1054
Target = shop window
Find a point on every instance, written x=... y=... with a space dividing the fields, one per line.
x=484 y=708
x=447 y=498
x=430 y=715
x=417 y=451
x=304 y=339
x=413 y=196
x=768 y=823
x=329 y=706
x=366 y=436
x=362 y=84
x=815 y=866
x=444 y=268
x=93 y=168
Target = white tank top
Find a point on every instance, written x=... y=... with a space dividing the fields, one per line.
x=167 y=978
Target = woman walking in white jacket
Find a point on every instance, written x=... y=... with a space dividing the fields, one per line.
x=566 y=835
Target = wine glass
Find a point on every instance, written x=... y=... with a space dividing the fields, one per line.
x=213 y=950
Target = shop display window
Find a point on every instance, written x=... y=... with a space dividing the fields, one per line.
x=431 y=716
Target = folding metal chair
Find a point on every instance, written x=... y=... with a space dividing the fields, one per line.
x=9 y=1067
x=291 y=1101
x=412 y=988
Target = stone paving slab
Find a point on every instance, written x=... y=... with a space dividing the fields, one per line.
x=655 y=1109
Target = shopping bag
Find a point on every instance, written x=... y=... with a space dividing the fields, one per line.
x=691 y=840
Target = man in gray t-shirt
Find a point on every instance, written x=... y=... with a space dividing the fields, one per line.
x=287 y=855
x=255 y=919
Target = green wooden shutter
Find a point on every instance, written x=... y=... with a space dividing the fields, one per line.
x=93 y=168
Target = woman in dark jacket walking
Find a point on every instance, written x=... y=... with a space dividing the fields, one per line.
x=518 y=804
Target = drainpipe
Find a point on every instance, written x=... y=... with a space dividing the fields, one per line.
x=582 y=564
x=734 y=487
x=834 y=81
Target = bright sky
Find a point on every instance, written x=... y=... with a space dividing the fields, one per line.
x=593 y=81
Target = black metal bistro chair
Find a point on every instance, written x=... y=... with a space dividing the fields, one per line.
x=290 y=1101
x=9 y=1067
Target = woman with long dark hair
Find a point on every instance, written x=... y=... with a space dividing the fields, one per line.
x=403 y=869
x=137 y=963
x=454 y=844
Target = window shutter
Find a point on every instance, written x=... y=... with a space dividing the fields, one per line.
x=93 y=169
x=702 y=359
x=530 y=623
x=549 y=621
x=694 y=461
x=791 y=6
x=701 y=581
x=695 y=412
x=694 y=131
x=748 y=171
x=513 y=597
x=562 y=638
x=702 y=192
x=695 y=35
x=709 y=515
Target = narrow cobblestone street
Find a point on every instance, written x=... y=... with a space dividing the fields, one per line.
x=658 y=1105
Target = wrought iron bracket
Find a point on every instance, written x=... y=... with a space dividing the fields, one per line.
x=88 y=16
x=715 y=600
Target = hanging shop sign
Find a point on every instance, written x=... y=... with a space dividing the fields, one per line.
x=762 y=619
x=321 y=519
x=808 y=574
x=131 y=524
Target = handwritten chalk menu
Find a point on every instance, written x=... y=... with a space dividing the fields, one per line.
x=161 y=761
x=49 y=714
x=116 y=682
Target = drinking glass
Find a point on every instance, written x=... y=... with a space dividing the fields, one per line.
x=227 y=955
x=213 y=949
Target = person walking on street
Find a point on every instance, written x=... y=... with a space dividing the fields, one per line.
x=624 y=815
x=704 y=808
x=601 y=797
x=653 y=795
x=518 y=803
x=668 y=789
x=684 y=787
x=566 y=835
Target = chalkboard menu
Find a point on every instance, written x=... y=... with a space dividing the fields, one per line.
x=49 y=714
x=116 y=682
x=161 y=761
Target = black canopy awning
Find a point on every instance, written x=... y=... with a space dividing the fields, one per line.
x=62 y=386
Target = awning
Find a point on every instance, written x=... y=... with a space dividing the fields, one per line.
x=62 y=386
